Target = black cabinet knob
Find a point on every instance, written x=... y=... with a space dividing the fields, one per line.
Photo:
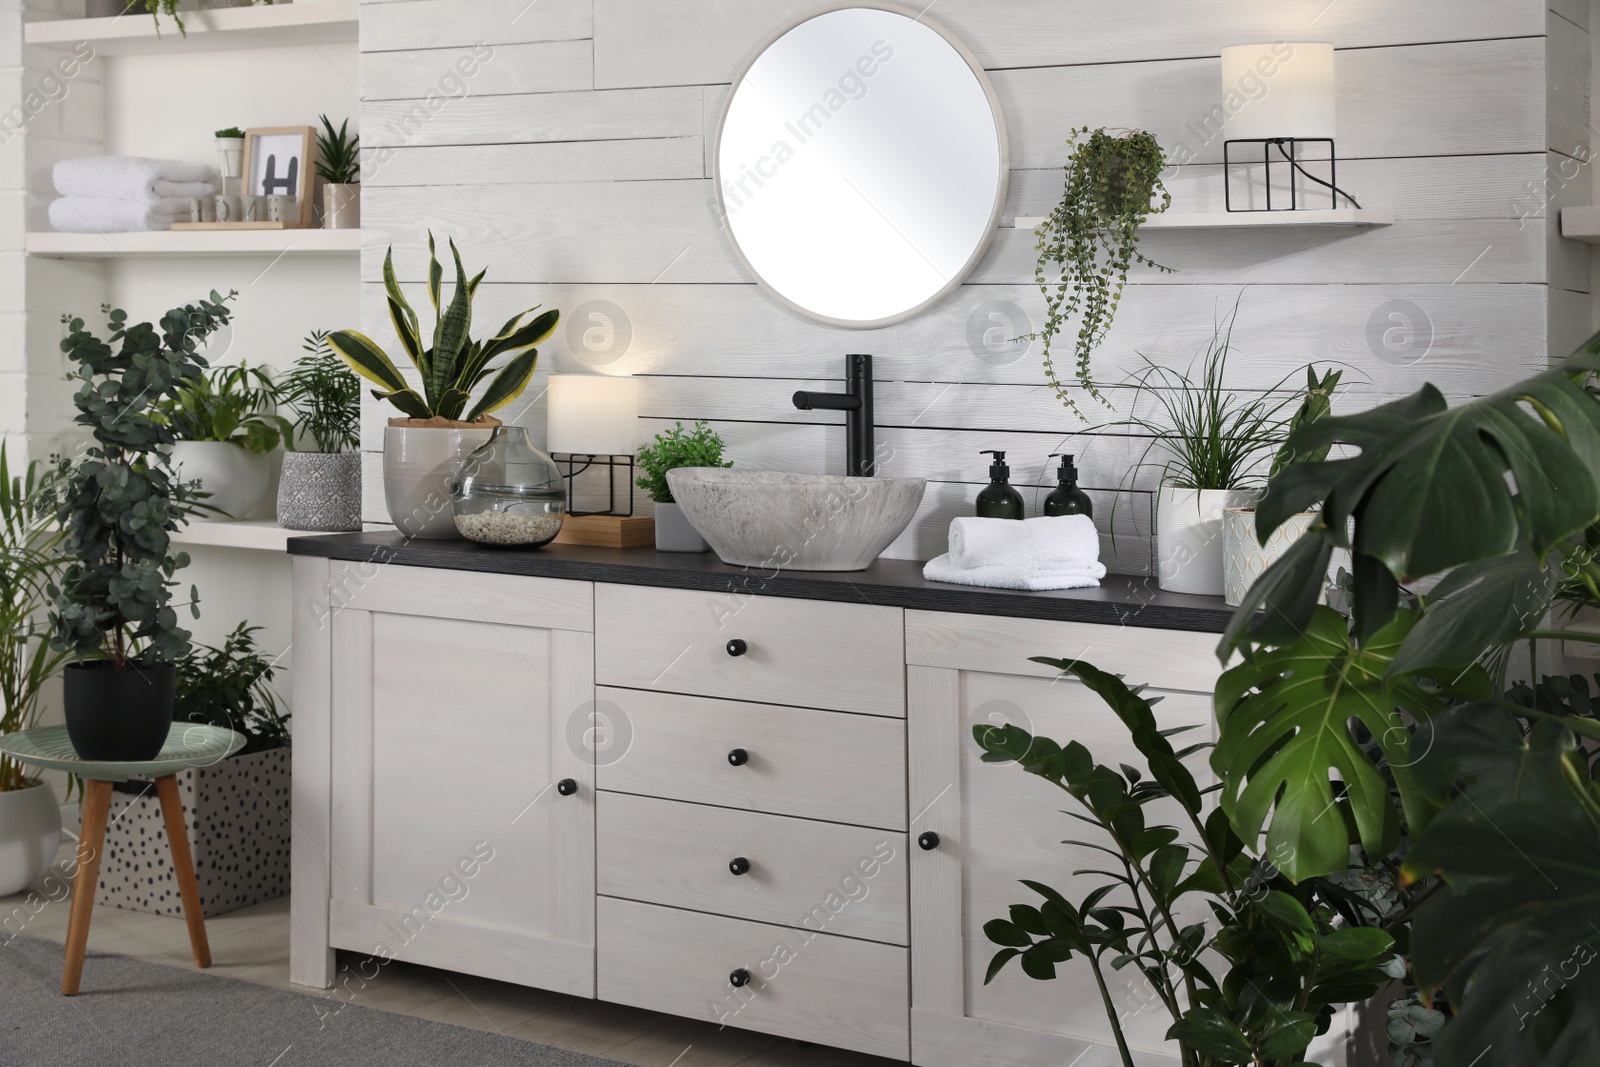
x=738 y=978
x=566 y=787
x=738 y=757
x=928 y=841
x=739 y=865
x=737 y=647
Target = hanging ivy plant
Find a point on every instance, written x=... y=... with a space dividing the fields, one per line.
x=1091 y=240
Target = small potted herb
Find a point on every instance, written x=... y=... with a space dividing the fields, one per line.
x=320 y=488
x=339 y=165
x=225 y=423
x=700 y=447
x=230 y=143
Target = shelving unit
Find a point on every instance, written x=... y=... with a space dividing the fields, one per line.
x=1581 y=224
x=195 y=243
x=1247 y=220
x=260 y=534
x=307 y=22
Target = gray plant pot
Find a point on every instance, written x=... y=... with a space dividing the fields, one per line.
x=675 y=533
x=320 y=491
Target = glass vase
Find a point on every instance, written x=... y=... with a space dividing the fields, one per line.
x=508 y=493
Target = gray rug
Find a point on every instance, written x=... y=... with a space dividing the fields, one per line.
x=142 y=1014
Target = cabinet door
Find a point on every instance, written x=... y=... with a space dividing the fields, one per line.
x=454 y=844
x=996 y=825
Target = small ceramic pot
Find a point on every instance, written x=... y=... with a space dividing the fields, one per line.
x=252 y=209
x=341 y=207
x=320 y=491
x=419 y=463
x=30 y=833
x=283 y=209
x=118 y=716
x=228 y=208
x=1244 y=559
x=1189 y=537
x=232 y=151
x=235 y=478
x=675 y=533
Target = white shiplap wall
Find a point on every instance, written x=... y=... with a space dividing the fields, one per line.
x=571 y=158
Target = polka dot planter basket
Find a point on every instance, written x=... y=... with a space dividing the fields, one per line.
x=238 y=815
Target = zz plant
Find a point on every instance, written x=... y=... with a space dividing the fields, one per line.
x=1090 y=241
x=119 y=501
x=453 y=366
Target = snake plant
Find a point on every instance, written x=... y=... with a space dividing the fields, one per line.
x=455 y=365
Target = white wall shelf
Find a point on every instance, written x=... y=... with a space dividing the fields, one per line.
x=306 y=22
x=262 y=535
x=1581 y=224
x=196 y=243
x=1247 y=220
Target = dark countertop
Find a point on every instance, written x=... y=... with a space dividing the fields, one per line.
x=897 y=583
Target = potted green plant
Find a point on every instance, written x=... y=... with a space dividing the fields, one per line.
x=339 y=165
x=699 y=447
x=157 y=8
x=118 y=503
x=1090 y=241
x=320 y=487
x=30 y=558
x=230 y=144
x=237 y=809
x=422 y=449
x=225 y=424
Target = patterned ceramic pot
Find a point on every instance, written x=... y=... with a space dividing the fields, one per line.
x=320 y=491
x=1244 y=559
x=30 y=831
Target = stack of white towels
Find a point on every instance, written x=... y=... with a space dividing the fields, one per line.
x=1051 y=552
x=109 y=194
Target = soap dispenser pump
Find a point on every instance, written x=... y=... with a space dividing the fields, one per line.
x=1068 y=499
x=998 y=500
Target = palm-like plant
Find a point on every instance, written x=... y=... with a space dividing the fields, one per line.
x=454 y=366
x=339 y=154
x=324 y=397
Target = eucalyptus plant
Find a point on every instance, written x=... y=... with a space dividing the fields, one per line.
x=323 y=397
x=1090 y=241
x=454 y=366
x=118 y=501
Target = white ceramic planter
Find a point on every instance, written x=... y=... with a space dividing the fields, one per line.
x=1244 y=559
x=235 y=478
x=675 y=533
x=418 y=463
x=341 y=207
x=1189 y=537
x=320 y=491
x=30 y=832
x=232 y=151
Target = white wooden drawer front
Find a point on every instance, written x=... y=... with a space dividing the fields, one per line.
x=811 y=764
x=849 y=657
x=819 y=876
x=834 y=991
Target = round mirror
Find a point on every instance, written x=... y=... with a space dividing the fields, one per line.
x=861 y=165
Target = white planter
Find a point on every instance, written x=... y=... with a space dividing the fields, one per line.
x=675 y=533
x=30 y=832
x=1244 y=559
x=232 y=151
x=1189 y=537
x=320 y=491
x=235 y=478
x=418 y=464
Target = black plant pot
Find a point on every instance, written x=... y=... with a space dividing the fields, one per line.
x=116 y=716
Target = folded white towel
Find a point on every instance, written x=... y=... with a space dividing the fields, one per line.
x=1030 y=576
x=1048 y=539
x=162 y=188
x=99 y=214
x=129 y=177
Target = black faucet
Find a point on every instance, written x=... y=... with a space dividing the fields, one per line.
x=856 y=403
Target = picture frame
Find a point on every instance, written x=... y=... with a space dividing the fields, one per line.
x=282 y=160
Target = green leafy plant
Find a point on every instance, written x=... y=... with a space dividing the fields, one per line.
x=231 y=687
x=455 y=365
x=323 y=397
x=119 y=501
x=1091 y=240
x=1316 y=403
x=170 y=8
x=235 y=404
x=339 y=154
x=700 y=447
x=30 y=559
x=231 y=131
x=1255 y=982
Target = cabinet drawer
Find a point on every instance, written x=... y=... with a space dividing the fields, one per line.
x=850 y=657
x=813 y=764
x=812 y=987
x=819 y=876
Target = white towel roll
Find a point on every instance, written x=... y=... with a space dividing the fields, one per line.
x=98 y=214
x=129 y=177
x=1034 y=577
x=1049 y=539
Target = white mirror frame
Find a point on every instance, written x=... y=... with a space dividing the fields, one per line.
x=1003 y=162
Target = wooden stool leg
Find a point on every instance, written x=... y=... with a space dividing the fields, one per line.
x=183 y=867
x=91 y=840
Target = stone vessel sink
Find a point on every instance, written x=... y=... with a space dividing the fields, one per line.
x=797 y=522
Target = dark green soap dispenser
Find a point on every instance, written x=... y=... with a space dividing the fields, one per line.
x=1068 y=499
x=998 y=500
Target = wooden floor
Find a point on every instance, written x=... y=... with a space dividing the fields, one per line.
x=252 y=945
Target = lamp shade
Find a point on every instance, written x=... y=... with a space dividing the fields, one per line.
x=593 y=414
x=1279 y=89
